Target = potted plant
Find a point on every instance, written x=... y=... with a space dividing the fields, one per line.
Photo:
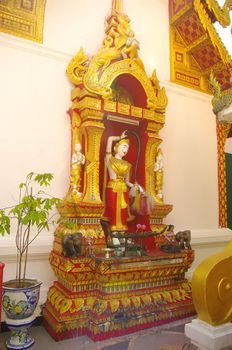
x=28 y=217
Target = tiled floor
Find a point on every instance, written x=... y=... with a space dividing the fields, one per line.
x=168 y=337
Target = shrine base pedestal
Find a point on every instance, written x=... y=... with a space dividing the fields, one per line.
x=108 y=297
x=207 y=337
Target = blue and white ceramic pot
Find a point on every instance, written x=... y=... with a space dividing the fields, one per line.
x=20 y=337
x=19 y=304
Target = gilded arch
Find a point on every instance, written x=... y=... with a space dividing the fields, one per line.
x=127 y=66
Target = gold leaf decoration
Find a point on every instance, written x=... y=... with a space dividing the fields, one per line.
x=79 y=303
x=65 y=305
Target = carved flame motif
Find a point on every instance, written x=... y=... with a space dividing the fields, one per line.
x=119 y=46
x=78 y=67
x=160 y=101
x=119 y=43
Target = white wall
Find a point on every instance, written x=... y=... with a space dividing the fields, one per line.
x=190 y=156
x=34 y=124
x=35 y=130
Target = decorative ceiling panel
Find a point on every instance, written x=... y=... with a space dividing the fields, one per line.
x=206 y=56
x=190 y=29
x=175 y=7
x=23 y=18
x=196 y=48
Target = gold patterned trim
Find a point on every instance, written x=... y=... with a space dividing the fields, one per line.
x=136 y=111
x=222 y=132
x=110 y=106
x=127 y=66
x=90 y=103
x=123 y=108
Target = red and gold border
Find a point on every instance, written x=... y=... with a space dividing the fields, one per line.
x=222 y=133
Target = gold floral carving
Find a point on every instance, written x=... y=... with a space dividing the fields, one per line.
x=78 y=67
x=160 y=100
x=79 y=303
x=114 y=305
x=126 y=302
x=23 y=18
x=101 y=306
x=120 y=44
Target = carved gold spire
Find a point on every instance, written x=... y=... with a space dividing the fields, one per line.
x=117 y=6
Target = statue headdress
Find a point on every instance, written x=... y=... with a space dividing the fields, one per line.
x=120 y=142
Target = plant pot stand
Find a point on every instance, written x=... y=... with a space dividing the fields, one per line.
x=1 y=275
x=20 y=333
x=19 y=304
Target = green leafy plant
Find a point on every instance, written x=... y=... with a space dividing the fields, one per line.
x=33 y=213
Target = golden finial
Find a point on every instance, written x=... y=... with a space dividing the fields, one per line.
x=117 y=6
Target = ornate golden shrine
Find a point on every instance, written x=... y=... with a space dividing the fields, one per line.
x=112 y=93
x=95 y=295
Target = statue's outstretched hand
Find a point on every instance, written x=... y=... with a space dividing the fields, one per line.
x=141 y=190
x=123 y=135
